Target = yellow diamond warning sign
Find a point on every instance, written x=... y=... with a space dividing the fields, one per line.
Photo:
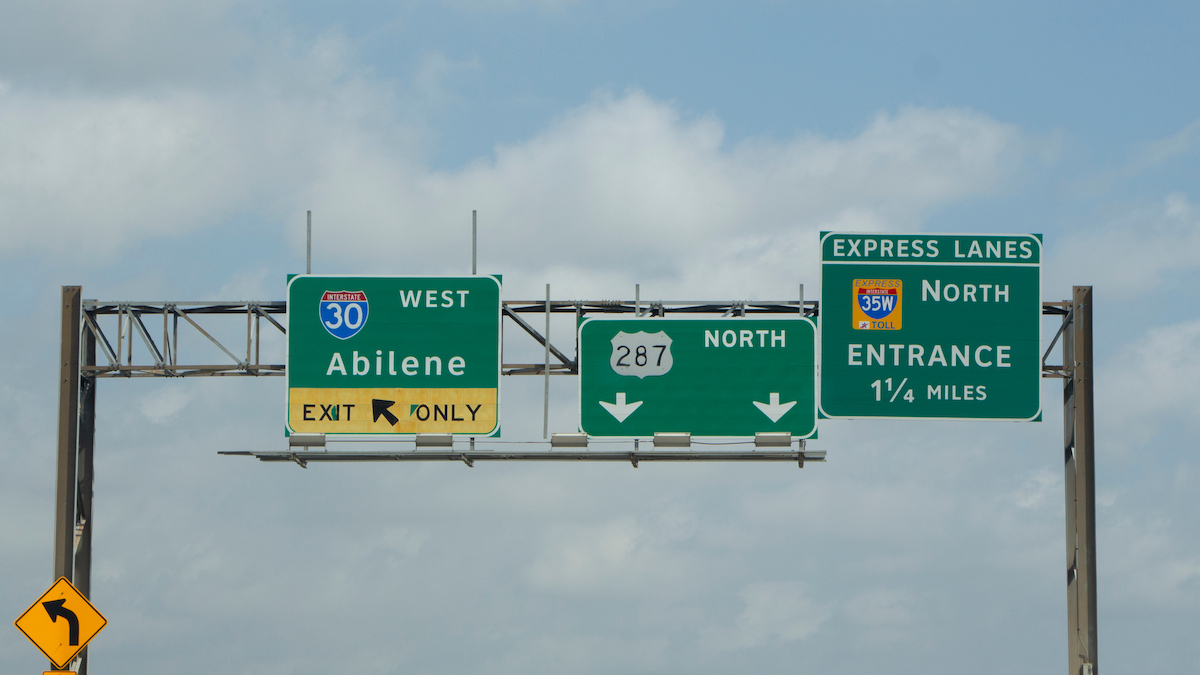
x=61 y=622
x=401 y=411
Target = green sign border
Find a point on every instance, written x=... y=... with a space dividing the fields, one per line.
x=1037 y=417
x=811 y=434
x=497 y=278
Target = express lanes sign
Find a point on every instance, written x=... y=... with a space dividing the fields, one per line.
x=931 y=326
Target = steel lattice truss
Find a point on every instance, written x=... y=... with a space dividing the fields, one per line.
x=117 y=326
x=154 y=327
x=145 y=339
x=138 y=322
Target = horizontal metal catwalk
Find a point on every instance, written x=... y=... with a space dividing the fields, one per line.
x=469 y=457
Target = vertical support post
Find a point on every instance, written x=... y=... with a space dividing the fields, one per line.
x=801 y=300
x=546 y=393
x=68 y=434
x=637 y=300
x=1079 y=480
x=308 y=247
x=578 y=318
x=474 y=238
x=84 y=517
x=249 y=333
x=167 y=360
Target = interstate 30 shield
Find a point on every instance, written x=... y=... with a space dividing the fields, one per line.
x=343 y=313
x=877 y=304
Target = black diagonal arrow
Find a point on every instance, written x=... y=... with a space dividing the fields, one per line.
x=380 y=407
x=55 y=609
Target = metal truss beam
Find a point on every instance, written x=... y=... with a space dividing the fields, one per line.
x=118 y=325
x=469 y=457
x=1062 y=309
x=162 y=358
x=153 y=360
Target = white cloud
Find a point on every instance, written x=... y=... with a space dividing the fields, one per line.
x=621 y=186
x=1153 y=565
x=627 y=184
x=775 y=610
x=1157 y=152
x=513 y=5
x=1150 y=382
x=1133 y=253
x=91 y=174
x=1042 y=485
x=246 y=285
x=125 y=41
x=162 y=405
x=573 y=653
x=885 y=615
x=624 y=556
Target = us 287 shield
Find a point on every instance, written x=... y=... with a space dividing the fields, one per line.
x=641 y=354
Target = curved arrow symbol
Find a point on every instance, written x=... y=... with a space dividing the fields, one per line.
x=55 y=609
x=774 y=410
x=380 y=407
x=621 y=409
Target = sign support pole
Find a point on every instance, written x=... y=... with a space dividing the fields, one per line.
x=1079 y=480
x=546 y=393
x=68 y=434
x=87 y=445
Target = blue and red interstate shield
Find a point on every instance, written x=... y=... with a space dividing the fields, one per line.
x=343 y=313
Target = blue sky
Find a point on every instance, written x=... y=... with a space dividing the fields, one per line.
x=169 y=151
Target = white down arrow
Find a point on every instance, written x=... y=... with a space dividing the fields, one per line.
x=621 y=409
x=774 y=410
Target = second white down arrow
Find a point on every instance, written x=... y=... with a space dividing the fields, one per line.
x=774 y=410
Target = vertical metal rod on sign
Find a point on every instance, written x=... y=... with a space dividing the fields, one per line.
x=474 y=238
x=801 y=299
x=1079 y=480
x=84 y=517
x=637 y=300
x=68 y=434
x=308 y=249
x=546 y=393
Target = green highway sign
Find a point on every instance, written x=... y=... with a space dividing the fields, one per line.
x=393 y=355
x=706 y=377
x=941 y=326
